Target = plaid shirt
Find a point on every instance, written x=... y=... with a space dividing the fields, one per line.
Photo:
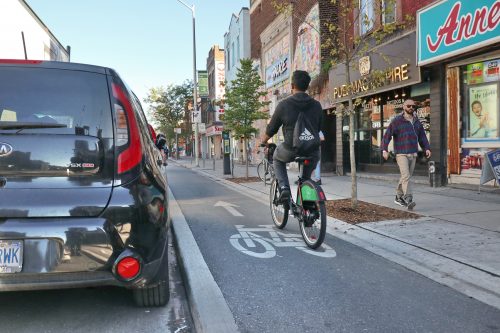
x=406 y=135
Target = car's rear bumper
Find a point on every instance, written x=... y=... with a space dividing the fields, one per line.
x=18 y=282
x=69 y=252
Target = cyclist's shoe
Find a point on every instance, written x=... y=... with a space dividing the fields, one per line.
x=400 y=201
x=284 y=197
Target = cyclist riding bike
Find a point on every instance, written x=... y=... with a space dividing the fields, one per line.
x=286 y=115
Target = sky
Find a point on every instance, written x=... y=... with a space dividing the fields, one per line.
x=149 y=42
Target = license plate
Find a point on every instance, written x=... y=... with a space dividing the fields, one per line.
x=11 y=256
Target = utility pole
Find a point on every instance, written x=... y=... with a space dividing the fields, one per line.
x=195 y=89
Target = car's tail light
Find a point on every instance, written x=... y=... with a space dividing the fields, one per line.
x=127 y=131
x=128 y=268
x=152 y=132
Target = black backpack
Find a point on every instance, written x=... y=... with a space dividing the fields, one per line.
x=305 y=136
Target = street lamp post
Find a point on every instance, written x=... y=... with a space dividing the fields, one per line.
x=195 y=92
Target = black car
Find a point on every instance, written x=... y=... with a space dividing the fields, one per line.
x=83 y=190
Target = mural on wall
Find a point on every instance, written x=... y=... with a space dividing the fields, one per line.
x=307 y=48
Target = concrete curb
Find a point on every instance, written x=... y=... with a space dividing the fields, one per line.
x=208 y=307
x=472 y=282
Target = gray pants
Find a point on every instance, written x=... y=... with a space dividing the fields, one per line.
x=406 y=163
x=282 y=156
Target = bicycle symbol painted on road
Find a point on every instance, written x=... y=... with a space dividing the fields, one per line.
x=250 y=241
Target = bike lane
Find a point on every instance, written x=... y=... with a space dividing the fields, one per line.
x=273 y=283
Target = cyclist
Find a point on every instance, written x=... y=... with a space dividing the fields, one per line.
x=286 y=114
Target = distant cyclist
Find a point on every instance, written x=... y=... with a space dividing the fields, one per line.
x=286 y=114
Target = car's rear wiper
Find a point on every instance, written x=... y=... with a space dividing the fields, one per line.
x=19 y=125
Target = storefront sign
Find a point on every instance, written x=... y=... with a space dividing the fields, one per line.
x=202 y=83
x=449 y=28
x=219 y=113
x=491 y=169
x=393 y=75
x=220 y=78
x=214 y=130
x=393 y=58
x=278 y=71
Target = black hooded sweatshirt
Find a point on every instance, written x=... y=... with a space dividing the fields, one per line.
x=287 y=112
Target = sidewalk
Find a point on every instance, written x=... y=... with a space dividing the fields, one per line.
x=456 y=242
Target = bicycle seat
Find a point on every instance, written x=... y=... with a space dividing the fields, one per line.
x=301 y=159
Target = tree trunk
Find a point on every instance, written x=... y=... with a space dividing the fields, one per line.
x=245 y=150
x=354 y=184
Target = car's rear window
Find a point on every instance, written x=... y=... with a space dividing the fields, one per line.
x=76 y=99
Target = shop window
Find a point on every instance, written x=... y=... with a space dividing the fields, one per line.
x=388 y=11
x=480 y=101
x=366 y=16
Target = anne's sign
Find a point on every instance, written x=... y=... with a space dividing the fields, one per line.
x=452 y=27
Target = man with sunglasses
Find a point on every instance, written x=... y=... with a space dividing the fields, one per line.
x=408 y=133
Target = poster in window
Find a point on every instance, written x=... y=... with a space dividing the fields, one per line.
x=492 y=71
x=475 y=73
x=483 y=111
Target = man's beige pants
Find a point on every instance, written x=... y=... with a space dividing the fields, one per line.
x=406 y=163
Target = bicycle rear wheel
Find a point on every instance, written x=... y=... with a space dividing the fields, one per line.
x=313 y=224
x=279 y=212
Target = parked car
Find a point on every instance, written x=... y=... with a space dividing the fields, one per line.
x=83 y=190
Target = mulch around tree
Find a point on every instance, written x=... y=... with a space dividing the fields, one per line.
x=240 y=180
x=365 y=212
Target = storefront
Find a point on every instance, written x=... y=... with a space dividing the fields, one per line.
x=214 y=135
x=463 y=39
x=276 y=64
x=379 y=104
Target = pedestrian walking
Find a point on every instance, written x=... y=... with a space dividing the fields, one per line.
x=317 y=171
x=407 y=132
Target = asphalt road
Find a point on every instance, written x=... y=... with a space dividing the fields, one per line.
x=272 y=284
x=109 y=310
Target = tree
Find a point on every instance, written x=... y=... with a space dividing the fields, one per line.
x=244 y=104
x=168 y=107
x=356 y=29
x=359 y=28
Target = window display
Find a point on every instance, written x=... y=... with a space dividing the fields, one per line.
x=480 y=111
x=483 y=106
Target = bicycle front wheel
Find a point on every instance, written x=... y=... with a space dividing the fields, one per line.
x=279 y=212
x=261 y=171
x=313 y=224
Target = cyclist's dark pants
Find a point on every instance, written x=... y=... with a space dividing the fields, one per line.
x=282 y=156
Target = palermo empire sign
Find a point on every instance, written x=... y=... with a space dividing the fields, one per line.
x=452 y=27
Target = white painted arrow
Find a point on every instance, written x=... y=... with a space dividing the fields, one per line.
x=229 y=207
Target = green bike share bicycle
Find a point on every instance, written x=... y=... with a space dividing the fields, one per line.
x=308 y=207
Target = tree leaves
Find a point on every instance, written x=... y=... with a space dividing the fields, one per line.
x=244 y=101
x=168 y=106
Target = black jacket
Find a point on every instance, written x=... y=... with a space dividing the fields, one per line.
x=287 y=112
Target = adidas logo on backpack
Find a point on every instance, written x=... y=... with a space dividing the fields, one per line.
x=306 y=135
